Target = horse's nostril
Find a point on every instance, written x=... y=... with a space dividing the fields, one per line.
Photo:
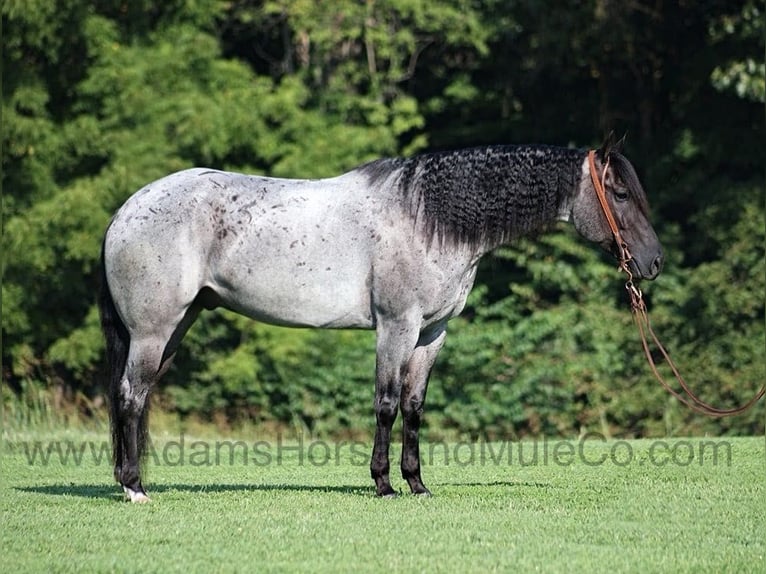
x=656 y=266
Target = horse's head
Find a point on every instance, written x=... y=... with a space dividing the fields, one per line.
x=627 y=201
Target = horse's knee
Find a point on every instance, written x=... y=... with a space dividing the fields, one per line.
x=386 y=407
x=412 y=409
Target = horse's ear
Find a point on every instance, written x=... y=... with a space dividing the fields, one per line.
x=608 y=145
x=620 y=144
x=612 y=144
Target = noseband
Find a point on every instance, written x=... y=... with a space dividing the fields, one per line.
x=641 y=315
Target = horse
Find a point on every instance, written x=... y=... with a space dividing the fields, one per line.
x=392 y=245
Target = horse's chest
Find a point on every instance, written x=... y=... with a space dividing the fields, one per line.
x=436 y=284
x=454 y=292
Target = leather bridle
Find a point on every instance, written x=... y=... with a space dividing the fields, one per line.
x=641 y=315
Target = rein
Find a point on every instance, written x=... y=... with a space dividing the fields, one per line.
x=641 y=315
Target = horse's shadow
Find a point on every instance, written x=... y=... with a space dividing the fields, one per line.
x=112 y=491
x=105 y=491
x=510 y=484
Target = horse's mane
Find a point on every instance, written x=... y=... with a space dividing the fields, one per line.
x=485 y=195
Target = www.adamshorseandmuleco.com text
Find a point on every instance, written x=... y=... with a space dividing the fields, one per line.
x=591 y=449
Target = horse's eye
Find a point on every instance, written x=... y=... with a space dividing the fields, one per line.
x=621 y=194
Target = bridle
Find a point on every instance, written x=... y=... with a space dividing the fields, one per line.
x=641 y=315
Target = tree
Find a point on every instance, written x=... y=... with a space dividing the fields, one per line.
x=100 y=99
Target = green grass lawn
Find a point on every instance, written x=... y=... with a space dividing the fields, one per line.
x=697 y=505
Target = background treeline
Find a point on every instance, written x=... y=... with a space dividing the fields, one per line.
x=99 y=98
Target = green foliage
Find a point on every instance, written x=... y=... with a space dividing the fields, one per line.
x=552 y=356
x=745 y=76
x=98 y=100
x=316 y=381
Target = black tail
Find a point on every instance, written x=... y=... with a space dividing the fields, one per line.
x=117 y=343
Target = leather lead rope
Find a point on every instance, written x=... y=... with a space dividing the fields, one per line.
x=641 y=315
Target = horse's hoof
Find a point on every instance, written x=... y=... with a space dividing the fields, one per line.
x=418 y=488
x=136 y=496
x=425 y=493
x=386 y=491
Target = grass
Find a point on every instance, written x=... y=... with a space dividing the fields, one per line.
x=618 y=506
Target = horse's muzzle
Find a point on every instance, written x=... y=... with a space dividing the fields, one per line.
x=650 y=270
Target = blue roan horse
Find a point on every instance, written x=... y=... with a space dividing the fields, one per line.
x=392 y=246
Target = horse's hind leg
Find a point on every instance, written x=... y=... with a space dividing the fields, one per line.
x=130 y=412
x=148 y=359
x=413 y=401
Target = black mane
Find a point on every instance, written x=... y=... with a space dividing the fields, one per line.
x=485 y=195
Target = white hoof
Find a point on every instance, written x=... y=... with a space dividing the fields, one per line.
x=137 y=497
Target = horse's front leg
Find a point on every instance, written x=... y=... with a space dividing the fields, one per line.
x=412 y=402
x=395 y=343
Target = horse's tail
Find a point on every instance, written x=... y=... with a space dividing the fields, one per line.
x=117 y=344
